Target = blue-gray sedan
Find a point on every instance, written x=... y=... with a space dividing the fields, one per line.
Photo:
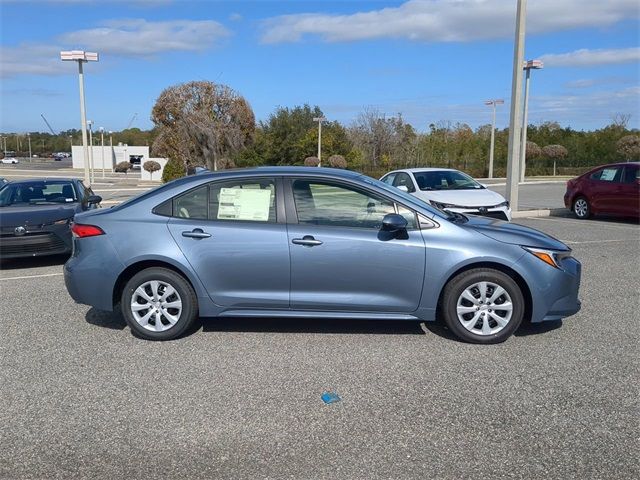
x=315 y=243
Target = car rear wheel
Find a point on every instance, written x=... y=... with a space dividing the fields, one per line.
x=158 y=304
x=483 y=306
x=581 y=208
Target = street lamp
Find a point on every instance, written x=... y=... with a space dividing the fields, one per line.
x=493 y=103
x=528 y=66
x=90 y=123
x=4 y=145
x=70 y=143
x=29 y=138
x=81 y=57
x=319 y=120
x=102 y=147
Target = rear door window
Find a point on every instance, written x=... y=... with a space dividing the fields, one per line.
x=608 y=174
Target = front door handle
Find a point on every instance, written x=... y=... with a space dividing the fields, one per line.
x=196 y=233
x=307 y=241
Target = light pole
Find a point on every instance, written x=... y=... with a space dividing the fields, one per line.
x=90 y=123
x=29 y=139
x=81 y=57
x=319 y=120
x=514 y=121
x=528 y=66
x=70 y=143
x=493 y=103
x=4 y=145
x=102 y=147
x=111 y=146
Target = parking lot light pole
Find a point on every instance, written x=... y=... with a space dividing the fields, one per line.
x=81 y=57
x=319 y=120
x=513 y=162
x=528 y=66
x=29 y=139
x=111 y=147
x=102 y=147
x=493 y=103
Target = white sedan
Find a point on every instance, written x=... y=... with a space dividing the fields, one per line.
x=9 y=160
x=448 y=189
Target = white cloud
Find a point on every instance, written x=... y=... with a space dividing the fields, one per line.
x=138 y=37
x=590 y=58
x=448 y=20
x=128 y=37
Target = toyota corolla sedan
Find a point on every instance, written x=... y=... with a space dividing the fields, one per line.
x=36 y=214
x=448 y=189
x=313 y=243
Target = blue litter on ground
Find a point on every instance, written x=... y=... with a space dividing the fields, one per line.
x=330 y=397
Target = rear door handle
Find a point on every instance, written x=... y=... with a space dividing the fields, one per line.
x=196 y=233
x=307 y=241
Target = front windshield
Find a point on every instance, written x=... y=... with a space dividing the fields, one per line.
x=42 y=192
x=445 y=180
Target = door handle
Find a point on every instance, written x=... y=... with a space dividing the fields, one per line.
x=307 y=241
x=196 y=233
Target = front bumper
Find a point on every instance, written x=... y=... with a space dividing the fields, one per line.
x=35 y=242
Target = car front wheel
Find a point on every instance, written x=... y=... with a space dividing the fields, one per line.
x=483 y=306
x=159 y=304
x=581 y=208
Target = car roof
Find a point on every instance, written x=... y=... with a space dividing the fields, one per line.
x=45 y=179
x=281 y=170
x=425 y=169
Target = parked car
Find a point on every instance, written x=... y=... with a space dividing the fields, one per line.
x=609 y=189
x=10 y=160
x=3 y=181
x=448 y=189
x=314 y=243
x=35 y=215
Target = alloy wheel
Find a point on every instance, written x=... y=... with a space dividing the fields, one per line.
x=581 y=208
x=156 y=305
x=484 y=308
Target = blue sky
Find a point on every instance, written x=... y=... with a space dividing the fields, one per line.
x=431 y=60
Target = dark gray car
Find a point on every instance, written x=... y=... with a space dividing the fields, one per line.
x=315 y=243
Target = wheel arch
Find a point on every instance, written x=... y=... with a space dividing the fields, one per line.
x=139 y=266
x=519 y=279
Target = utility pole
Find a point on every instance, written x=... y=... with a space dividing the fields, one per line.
x=528 y=66
x=81 y=57
x=493 y=103
x=319 y=120
x=513 y=161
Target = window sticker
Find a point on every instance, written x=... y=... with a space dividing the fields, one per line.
x=244 y=204
x=608 y=174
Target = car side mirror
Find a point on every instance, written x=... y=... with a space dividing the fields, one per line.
x=94 y=199
x=392 y=222
x=403 y=188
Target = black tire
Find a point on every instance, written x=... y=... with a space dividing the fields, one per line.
x=581 y=208
x=183 y=293
x=466 y=280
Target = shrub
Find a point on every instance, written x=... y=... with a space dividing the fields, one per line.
x=311 y=161
x=629 y=147
x=151 y=166
x=172 y=170
x=337 y=161
x=122 y=167
x=226 y=163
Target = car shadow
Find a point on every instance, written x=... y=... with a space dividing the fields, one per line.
x=526 y=329
x=111 y=320
x=566 y=213
x=310 y=325
x=33 y=262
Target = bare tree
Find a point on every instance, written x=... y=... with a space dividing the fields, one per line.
x=620 y=120
x=311 y=162
x=151 y=166
x=533 y=150
x=555 y=152
x=337 y=161
x=202 y=122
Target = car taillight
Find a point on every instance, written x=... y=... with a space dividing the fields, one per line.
x=81 y=231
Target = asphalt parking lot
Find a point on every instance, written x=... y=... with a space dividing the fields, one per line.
x=237 y=398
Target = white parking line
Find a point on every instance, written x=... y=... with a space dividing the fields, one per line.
x=32 y=276
x=569 y=242
x=586 y=222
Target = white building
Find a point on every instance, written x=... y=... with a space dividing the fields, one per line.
x=108 y=157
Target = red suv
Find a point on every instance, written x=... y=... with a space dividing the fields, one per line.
x=609 y=189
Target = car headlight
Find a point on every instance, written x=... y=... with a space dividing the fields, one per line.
x=503 y=204
x=64 y=221
x=442 y=206
x=550 y=257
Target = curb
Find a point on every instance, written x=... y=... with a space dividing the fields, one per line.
x=544 y=212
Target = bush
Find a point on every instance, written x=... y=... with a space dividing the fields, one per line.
x=122 y=167
x=311 y=161
x=226 y=163
x=151 y=166
x=629 y=147
x=337 y=161
x=172 y=170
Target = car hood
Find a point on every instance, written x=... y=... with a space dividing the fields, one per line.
x=513 y=233
x=14 y=216
x=467 y=198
